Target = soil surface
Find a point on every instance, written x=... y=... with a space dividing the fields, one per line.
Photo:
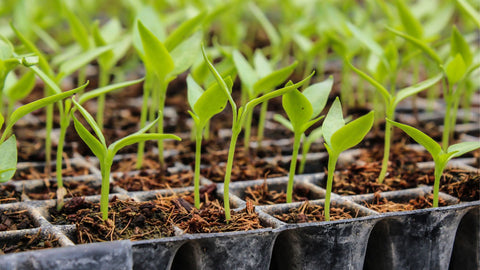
x=147 y=180
x=29 y=242
x=383 y=205
x=461 y=184
x=314 y=213
x=8 y=194
x=262 y=195
x=11 y=220
x=32 y=173
x=74 y=189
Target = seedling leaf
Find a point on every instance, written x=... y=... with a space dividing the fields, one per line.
x=245 y=71
x=73 y=64
x=22 y=87
x=185 y=54
x=462 y=148
x=8 y=159
x=455 y=69
x=272 y=80
x=211 y=102
x=414 y=89
x=409 y=22
x=284 y=121
x=194 y=91
x=384 y=92
x=298 y=109
x=104 y=90
x=136 y=138
x=93 y=124
x=471 y=11
x=317 y=94
x=183 y=31
x=333 y=121
x=98 y=149
x=352 y=133
x=262 y=66
x=458 y=45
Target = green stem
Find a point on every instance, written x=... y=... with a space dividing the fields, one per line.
x=161 y=105
x=105 y=167
x=261 y=123
x=446 y=124
x=82 y=77
x=147 y=86
x=198 y=154
x=332 y=161
x=59 y=158
x=247 y=133
x=305 y=149
x=293 y=165
x=436 y=184
x=103 y=81
x=228 y=170
x=387 y=143
x=206 y=130
x=48 y=139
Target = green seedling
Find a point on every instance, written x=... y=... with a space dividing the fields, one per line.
x=164 y=61
x=8 y=144
x=440 y=157
x=106 y=154
x=238 y=121
x=204 y=104
x=17 y=89
x=303 y=109
x=255 y=82
x=339 y=137
x=391 y=100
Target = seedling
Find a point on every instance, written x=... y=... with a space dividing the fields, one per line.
x=238 y=121
x=204 y=104
x=106 y=154
x=303 y=109
x=440 y=157
x=391 y=100
x=339 y=137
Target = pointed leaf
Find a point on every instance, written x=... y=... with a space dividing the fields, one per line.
x=47 y=80
x=432 y=146
x=458 y=44
x=93 y=124
x=317 y=94
x=184 y=31
x=194 y=91
x=333 y=121
x=246 y=73
x=314 y=135
x=352 y=133
x=136 y=138
x=471 y=11
x=104 y=90
x=268 y=83
x=462 y=148
x=2 y=121
x=8 y=159
x=455 y=69
x=75 y=63
x=157 y=59
x=78 y=30
x=22 y=87
x=414 y=89
x=212 y=102
x=98 y=149
x=151 y=20
x=371 y=44
x=262 y=66
x=284 y=121
x=409 y=22
x=185 y=54
x=298 y=109
x=272 y=33
x=384 y=92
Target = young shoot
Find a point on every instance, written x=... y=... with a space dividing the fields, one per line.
x=239 y=117
x=8 y=160
x=204 y=104
x=440 y=157
x=391 y=100
x=303 y=109
x=339 y=137
x=104 y=153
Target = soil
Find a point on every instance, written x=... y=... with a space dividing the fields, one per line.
x=262 y=195
x=383 y=205
x=74 y=189
x=8 y=194
x=11 y=220
x=314 y=213
x=29 y=242
x=32 y=173
x=461 y=184
x=147 y=180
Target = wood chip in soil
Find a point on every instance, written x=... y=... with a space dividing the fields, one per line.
x=262 y=195
x=383 y=205
x=154 y=180
x=8 y=194
x=308 y=212
x=11 y=220
x=29 y=242
x=127 y=219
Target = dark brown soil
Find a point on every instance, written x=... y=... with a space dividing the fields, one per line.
x=314 y=213
x=154 y=180
x=29 y=242
x=32 y=173
x=150 y=162
x=262 y=195
x=8 y=194
x=11 y=220
x=461 y=184
x=74 y=189
x=383 y=205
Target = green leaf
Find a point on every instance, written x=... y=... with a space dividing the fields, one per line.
x=78 y=30
x=157 y=58
x=455 y=69
x=384 y=92
x=458 y=45
x=471 y=11
x=151 y=20
x=462 y=148
x=262 y=66
x=414 y=89
x=352 y=133
x=284 y=121
x=73 y=64
x=185 y=54
x=246 y=73
x=2 y=121
x=409 y=22
x=136 y=138
x=298 y=109
x=105 y=60
x=333 y=121
x=432 y=146
x=268 y=83
x=22 y=87
x=93 y=124
x=371 y=44
x=6 y=48
x=98 y=149
x=272 y=33
x=8 y=159
x=211 y=102
x=314 y=135
x=317 y=94
x=47 y=80
x=184 y=31
x=194 y=91
x=106 y=89
x=419 y=44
